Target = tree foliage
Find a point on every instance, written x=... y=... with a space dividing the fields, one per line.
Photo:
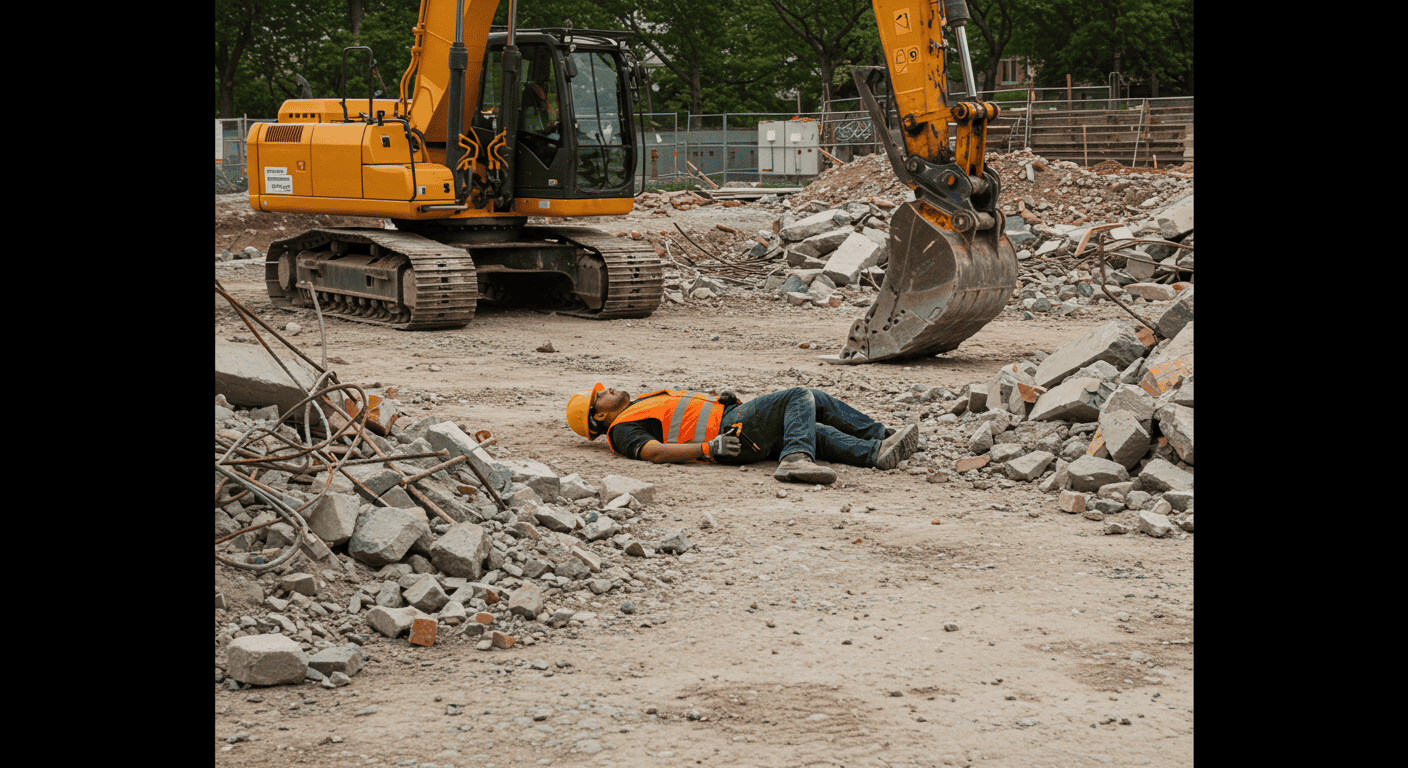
x=716 y=56
x=1088 y=39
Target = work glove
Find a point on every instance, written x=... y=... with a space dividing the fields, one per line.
x=728 y=397
x=723 y=445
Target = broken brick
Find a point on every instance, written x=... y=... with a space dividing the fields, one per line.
x=975 y=462
x=423 y=631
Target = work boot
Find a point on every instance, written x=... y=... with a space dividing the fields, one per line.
x=798 y=468
x=898 y=447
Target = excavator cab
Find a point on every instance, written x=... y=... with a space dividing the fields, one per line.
x=575 y=140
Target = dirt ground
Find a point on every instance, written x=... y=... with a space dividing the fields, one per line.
x=805 y=630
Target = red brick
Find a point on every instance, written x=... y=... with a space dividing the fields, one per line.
x=500 y=640
x=423 y=632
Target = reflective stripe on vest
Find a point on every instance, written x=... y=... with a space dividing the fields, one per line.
x=686 y=417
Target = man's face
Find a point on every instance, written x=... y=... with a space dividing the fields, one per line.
x=608 y=400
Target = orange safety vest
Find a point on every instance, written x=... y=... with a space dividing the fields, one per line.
x=686 y=417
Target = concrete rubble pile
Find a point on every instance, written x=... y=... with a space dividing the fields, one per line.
x=829 y=247
x=490 y=550
x=494 y=576
x=1105 y=424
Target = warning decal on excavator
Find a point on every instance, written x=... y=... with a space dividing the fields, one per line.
x=902 y=24
x=906 y=56
x=277 y=181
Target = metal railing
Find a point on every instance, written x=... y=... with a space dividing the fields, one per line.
x=725 y=146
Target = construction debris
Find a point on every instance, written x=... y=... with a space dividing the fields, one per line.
x=351 y=534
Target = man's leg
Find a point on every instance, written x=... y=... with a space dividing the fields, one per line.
x=837 y=413
x=834 y=445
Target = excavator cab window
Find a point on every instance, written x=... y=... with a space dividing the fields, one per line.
x=540 y=105
x=603 y=160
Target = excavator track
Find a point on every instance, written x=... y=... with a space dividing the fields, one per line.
x=635 y=276
x=439 y=290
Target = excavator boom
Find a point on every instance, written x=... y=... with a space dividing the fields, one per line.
x=951 y=270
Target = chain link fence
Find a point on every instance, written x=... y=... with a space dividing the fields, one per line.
x=231 y=163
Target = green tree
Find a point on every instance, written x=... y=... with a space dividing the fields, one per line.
x=1147 y=40
x=832 y=29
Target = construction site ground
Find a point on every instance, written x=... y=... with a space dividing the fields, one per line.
x=805 y=631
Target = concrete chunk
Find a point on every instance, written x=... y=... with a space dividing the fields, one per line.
x=535 y=475
x=1151 y=291
x=266 y=660
x=427 y=595
x=334 y=517
x=1077 y=399
x=246 y=375
x=1177 y=316
x=815 y=224
x=1088 y=473
x=391 y=622
x=978 y=398
x=1154 y=525
x=856 y=252
x=1071 y=502
x=384 y=536
x=526 y=601
x=601 y=528
x=346 y=659
x=377 y=479
x=1132 y=400
x=1029 y=467
x=1003 y=389
x=817 y=246
x=1160 y=475
x=1115 y=343
x=1125 y=440
x=447 y=436
x=1176 y=221
x=615 y=485
x=573 y=487
x=461 y=551
x=555 y=519
x=981 y=440
x=1176 y=422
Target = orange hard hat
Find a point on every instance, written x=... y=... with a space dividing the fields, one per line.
x=579 y=411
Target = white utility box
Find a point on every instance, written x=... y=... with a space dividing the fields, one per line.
x=789 y=148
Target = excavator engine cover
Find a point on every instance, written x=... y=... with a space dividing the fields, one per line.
x=940 y=288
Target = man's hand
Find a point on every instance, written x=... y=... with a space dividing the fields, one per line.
x=728 y=397
x=723 y=445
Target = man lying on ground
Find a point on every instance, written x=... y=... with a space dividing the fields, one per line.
x=798 y=425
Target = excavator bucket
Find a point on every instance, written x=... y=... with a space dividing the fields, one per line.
x=940 y=288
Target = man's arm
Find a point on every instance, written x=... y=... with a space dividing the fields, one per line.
x=659 y=453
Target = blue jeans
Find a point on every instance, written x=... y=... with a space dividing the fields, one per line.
x=803 y=420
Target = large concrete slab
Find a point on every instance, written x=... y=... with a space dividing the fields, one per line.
x=855 y=253
x=815 y=224
x=1114 y=342
x=266 y=660
x=246 y=375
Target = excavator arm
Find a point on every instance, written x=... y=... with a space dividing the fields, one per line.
x=951 y=270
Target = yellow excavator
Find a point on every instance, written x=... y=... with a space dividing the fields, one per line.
x=490 y=127
x=951 y=269
x=494 y=126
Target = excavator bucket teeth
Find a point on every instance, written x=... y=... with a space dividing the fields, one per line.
x=940 y=288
